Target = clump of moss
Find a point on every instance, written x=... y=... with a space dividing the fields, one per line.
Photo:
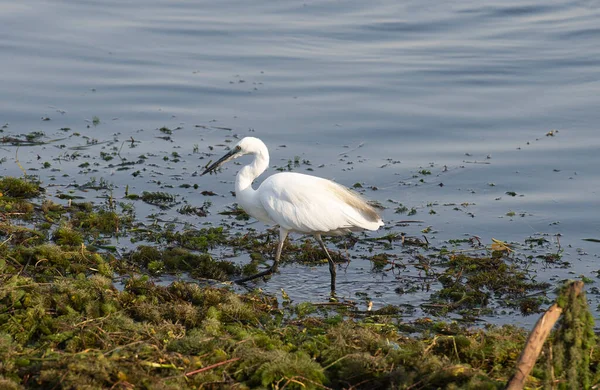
x=201 y=240
x=14 y=195
x=16 y=208
x=178 y=259
x=380 y=261
x=573 y=342
x=66 y=236
x=8 y=384
x=102 y=221
x=295 y=369
x=80 y=331
x=94 y=222
x=198 y=240
x=20 y=235
x=19 y=188
x=47 y=261
x=82 y=206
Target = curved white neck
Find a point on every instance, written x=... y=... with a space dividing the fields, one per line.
x=248 y=173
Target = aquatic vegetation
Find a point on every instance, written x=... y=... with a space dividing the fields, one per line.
x=182 y=260
x=472 y=281
x=197 y=211
x=82 y=332
x=570 y=354
x=161 y=199
x=100 y=221
x=13 y=187
x=66 y=236
x=236 y=211
x=65 y=322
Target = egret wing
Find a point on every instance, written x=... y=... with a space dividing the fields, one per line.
x=310 y=204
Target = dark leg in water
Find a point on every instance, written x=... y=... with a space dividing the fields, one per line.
x=282 y=236
x=329 y=259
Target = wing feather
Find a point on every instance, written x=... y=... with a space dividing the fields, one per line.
x=310 y=204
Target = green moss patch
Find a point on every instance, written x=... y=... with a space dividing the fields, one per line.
x=199 y=265
x=82 y=332
x=13 y=187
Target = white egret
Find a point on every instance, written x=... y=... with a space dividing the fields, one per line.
x=296 y=202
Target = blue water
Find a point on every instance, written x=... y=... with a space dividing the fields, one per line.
x=468 y=91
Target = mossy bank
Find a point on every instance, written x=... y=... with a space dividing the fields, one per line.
x=75 y=313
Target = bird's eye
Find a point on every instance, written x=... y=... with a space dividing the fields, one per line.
x=238 y=148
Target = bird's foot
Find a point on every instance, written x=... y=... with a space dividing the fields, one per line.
x=333 y=297
x=258 y=275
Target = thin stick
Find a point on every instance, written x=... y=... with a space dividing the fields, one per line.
x=18 y=163
x=210 y=367
x=7 y=240
x=119 y=152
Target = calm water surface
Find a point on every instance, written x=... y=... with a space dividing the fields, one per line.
x=369 y=92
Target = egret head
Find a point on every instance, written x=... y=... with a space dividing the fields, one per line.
x=247 y=145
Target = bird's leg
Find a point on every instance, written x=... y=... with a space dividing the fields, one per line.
x=329 y=259
x=282 y=236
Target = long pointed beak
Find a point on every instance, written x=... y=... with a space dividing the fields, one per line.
x=213 y=167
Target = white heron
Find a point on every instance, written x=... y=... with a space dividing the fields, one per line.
x=296 y=202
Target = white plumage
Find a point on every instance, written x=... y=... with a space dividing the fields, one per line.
x=308 y=204
x=296 y=202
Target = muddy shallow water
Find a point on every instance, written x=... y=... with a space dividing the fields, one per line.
x=483 y=118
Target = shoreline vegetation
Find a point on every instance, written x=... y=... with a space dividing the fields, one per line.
x=75 y=313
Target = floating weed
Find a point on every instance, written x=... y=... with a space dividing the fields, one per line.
x=309 y=252
x=161 y=199
x=34 y=136
x=401 y=209
x=380 y=261
x=236 y=211
x=20 y=235
x=200 y=240
x=197 y=211
x=474 y=282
